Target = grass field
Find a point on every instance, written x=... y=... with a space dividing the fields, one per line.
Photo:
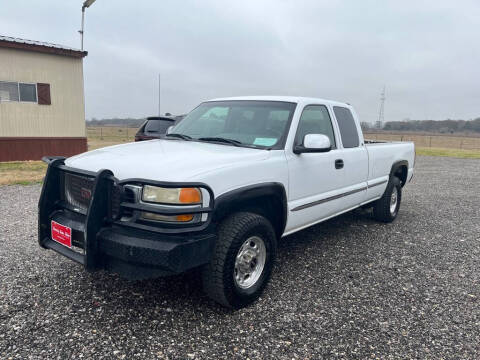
x=108 y=135
x=22 y=172
x=28 y=172
x=457 y=153
x=436 y=145
x=431 y=141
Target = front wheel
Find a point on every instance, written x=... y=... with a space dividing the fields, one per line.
x=386 y=208
x=242 y=260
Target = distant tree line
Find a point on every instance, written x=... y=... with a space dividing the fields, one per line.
x=127 y=122
x=437 y=126
x=123 y=122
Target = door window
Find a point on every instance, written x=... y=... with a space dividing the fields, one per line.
x=315 y=120
x=348 y=128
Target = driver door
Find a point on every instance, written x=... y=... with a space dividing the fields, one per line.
x=314 y=177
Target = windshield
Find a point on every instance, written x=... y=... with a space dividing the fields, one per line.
x=158 y=126
x=252 y=123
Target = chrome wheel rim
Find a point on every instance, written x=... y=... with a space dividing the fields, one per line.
x=250 y=262
x=393 y=201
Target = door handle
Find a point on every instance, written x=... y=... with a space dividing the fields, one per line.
x=338 y=164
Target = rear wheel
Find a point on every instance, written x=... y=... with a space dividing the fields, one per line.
x=242 y=260
x=386 y=208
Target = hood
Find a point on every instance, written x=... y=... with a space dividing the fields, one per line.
x=165 y=160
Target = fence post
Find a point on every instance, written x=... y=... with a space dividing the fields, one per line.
x=101 y=133
x=430 y=141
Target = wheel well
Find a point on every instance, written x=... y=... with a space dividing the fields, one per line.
x=401 y=172
x=271 y=205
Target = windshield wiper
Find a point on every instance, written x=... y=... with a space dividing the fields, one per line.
x=221 y=139
x=180 y=136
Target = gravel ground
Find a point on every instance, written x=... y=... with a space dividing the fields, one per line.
x=347 y=288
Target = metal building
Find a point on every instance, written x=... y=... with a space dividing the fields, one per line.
x=42 y=108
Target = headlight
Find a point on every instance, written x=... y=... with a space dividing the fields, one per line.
x=171 y=196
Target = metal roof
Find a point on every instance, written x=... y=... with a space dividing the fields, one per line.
x=40 y=46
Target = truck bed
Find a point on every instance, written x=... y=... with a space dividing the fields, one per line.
x=382 y=154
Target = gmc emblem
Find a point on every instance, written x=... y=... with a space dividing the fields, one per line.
x=85 y=193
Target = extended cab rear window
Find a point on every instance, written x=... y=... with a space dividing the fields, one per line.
x=348 y=128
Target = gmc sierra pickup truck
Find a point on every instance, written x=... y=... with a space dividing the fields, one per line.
x=218 y=191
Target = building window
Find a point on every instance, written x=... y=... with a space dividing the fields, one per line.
x=28 y=92
x=8 y=91
x=25 y=92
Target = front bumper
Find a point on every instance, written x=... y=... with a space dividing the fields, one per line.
x=100 y=241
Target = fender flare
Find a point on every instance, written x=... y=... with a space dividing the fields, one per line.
x=245 y=196
x=397 y=165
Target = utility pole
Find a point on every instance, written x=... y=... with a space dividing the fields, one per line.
x=381 y=115
x=159 y=112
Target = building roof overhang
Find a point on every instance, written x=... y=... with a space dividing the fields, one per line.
x=40 y=47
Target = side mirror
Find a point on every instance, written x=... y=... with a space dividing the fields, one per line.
x=313 y=143
x=169 y=129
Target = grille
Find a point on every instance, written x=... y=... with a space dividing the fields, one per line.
x=116 y=200
x=119 y=196
x=128 y=196
x=78 y=191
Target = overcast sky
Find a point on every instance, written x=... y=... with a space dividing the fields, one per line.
x=427 y=53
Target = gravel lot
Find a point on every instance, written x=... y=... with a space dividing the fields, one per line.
x=348 y=288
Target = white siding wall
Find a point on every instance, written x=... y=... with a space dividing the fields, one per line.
x=65 y=117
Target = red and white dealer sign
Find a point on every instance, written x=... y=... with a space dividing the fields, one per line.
x=61 y=234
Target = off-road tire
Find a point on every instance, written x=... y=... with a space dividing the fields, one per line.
x=381 y=207
x=218 y=275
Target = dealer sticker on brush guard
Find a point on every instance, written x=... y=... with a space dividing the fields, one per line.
x=61 y=234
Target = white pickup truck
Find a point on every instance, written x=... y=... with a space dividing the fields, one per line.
x=219 y=190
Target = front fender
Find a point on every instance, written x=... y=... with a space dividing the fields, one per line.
x=269 y=197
